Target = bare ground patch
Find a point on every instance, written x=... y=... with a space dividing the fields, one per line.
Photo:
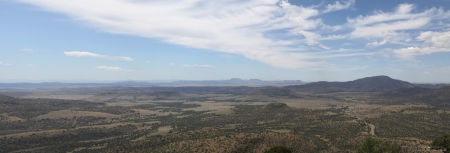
x=72 y=113
x=11 y=118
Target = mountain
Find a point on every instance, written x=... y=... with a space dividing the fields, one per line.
x=368 y=84
x=418 y=95
x=407 y=92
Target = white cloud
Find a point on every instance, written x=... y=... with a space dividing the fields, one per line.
x=333 y=37
x=246 y=27
x=392 y=26
x=402 y=13
x=434 y=42
x=110 y=68
x=172 y=64
x=199 y=66
x=29 y=50
x=379 y=43
x=310 y=37
x=335 y=68
x=385 y=29
x=89 y=54
x=339 y=6
x=4 y=64
x=229 y=26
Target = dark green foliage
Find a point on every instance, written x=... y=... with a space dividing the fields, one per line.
x=279 y=149
x=430 y=120
x=371 y=145
x=442 y=142
x=417 y=95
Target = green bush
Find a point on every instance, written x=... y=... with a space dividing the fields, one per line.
x=279 y=149
x=371 y=145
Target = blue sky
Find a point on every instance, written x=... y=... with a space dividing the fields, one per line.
x=307 y=40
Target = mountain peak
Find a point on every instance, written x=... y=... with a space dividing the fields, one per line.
x=368 y=84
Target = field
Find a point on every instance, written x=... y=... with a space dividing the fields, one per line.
x=142 y=120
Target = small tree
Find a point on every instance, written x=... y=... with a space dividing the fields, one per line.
x=371 y=145
x=442 y=142
x=279 y=149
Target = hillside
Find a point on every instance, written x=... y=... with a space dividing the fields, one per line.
x=368 y=84
x=418 y=95
x=275 y=92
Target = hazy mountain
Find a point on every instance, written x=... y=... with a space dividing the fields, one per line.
x=230 y=82
x=368 y=84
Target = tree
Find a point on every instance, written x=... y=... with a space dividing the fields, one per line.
x=371 y=145
x=442 y=142
x=279 y=149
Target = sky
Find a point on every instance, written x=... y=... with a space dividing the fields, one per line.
x=309 y=40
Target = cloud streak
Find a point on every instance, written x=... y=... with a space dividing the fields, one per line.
x=111 y=68
x=89 y=54
x=339 y=6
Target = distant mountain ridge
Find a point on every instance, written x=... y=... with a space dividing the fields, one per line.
x=368 y=84
x=180 y=83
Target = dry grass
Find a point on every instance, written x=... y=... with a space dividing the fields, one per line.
x=12 y=118
x=49 y=133
x=212 y=106
x=153 y=112
x=71 y=113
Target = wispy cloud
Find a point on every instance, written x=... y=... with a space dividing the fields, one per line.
x=379 y=43
x=390 y=26
x=246 y=27
x=89 y=54
x=29 y=50
x=336 y=68
x=110 y=68
x=339 y=6
x=199 y=66
x=235 y=27
x=172 y=64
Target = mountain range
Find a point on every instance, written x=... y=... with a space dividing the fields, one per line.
x=368 y=84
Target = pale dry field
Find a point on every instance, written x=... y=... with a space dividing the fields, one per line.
x=72 y=113
x=12 y=118
x=49 y=133
x=152 y=112
x=211 y=106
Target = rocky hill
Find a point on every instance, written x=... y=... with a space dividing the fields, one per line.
x=418 y=95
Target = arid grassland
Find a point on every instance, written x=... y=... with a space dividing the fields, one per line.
x=226 y=119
